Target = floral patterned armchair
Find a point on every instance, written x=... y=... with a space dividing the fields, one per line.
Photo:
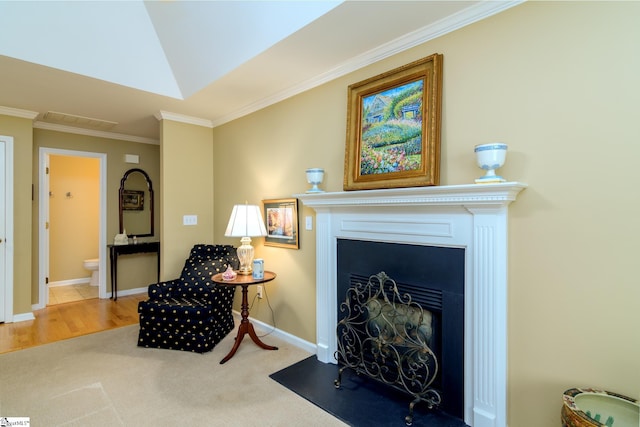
x=190 y=313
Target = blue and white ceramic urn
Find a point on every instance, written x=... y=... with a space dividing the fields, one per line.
x=314 y=177
x=489 y=158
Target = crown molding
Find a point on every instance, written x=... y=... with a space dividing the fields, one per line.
x=166 y=115
x=96 y=133
x=452 y=23
x=16 y=112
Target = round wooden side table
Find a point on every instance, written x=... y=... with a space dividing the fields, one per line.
x=245 y=325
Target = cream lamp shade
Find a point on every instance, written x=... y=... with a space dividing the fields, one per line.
x=246 y=222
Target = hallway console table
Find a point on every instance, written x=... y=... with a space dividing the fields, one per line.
x=138 y=248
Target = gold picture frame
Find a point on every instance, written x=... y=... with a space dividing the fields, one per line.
x=393 y=128
x=132 y=200
x=281 y=219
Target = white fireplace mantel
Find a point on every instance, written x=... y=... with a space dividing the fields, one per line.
x=473 y=217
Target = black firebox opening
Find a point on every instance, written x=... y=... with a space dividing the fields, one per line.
x=434 y=277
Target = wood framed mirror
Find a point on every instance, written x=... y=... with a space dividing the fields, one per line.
x=136 y=203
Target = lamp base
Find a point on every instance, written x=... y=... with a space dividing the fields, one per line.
x=245 y=255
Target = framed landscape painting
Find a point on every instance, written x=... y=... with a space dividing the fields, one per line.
x=393 y=128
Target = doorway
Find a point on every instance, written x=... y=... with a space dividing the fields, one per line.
x=68 y=224
x=6 y=229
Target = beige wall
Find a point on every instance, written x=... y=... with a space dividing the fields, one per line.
x=557 y=81
x=20 y=130
x=187 y=189
x=264 y=156
x=134 y=271
x=74 y=216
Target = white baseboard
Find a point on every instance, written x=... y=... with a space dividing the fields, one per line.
x=126 y=292
x=285 y=336
x=22 y=317
x=70 y=282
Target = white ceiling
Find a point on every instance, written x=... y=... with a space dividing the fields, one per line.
x=124 y=61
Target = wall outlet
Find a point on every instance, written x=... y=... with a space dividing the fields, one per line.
x=259 y=291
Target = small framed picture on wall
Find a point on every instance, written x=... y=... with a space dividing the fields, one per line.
x=281 y=219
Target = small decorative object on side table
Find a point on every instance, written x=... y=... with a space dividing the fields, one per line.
x=245 y=325
x=229 y=274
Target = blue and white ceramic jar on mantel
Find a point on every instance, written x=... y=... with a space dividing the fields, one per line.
x=489 y=158
x=315 y=177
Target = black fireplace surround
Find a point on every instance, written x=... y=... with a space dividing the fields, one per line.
x=434 y=277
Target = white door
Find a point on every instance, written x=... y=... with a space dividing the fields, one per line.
x=6 y=229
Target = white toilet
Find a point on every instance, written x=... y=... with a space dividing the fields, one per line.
x=93 y=265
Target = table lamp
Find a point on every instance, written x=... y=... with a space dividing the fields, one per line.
x=246 y=222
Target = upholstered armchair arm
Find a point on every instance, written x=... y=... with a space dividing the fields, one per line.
x=162 y=290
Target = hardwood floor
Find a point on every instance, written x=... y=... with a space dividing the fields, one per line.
x=62 y=321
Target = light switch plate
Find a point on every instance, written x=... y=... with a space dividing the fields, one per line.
x=190 y=220
x=308 y=222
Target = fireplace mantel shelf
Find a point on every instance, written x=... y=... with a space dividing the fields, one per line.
x=445 y=195
x=473 y=217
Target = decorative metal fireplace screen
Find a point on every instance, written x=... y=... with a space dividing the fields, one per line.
x=388 y=337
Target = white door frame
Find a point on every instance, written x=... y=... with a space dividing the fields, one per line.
x=43 y=240
x=6 y=234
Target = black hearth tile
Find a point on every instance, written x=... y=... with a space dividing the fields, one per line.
x=360 y=401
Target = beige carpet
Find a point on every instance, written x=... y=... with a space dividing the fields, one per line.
x=104 y=379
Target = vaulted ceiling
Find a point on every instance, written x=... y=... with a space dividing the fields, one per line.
x=111 y=66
